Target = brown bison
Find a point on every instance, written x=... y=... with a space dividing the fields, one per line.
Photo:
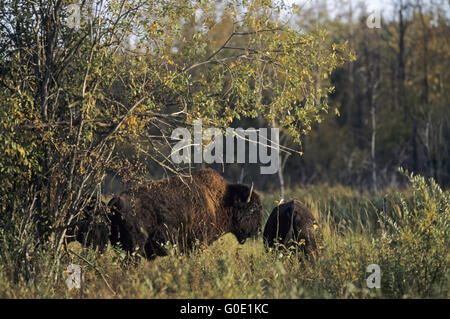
x=182 y=211
x=292 y=225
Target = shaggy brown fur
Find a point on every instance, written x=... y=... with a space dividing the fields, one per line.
x=292 y=224
x=182 y=211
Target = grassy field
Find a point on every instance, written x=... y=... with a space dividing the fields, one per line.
x=406 y=233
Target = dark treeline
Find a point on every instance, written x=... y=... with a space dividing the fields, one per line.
x=393 y=100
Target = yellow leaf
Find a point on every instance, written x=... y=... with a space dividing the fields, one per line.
x=21 y=151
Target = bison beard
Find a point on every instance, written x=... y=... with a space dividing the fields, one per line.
x=291 y=224
x=182 y=211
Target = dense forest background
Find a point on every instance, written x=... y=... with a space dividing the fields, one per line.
x=393 y=100
x=382 y=101
x=389 y=107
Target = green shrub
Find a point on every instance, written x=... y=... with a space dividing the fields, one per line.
x=414 y=245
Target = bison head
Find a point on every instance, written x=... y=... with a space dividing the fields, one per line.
x=246 y=209
x=120 y=229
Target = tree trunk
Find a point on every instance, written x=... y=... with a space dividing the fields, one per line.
x=372 y=148
x=280 y=166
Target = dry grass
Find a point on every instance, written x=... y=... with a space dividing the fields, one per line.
x=407 y=234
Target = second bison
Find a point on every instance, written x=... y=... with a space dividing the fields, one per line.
x=183 y=211
x=292 y=225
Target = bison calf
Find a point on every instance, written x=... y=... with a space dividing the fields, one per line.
x=292 y=225
x=182 y=211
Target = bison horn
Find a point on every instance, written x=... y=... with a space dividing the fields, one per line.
x=250 y=195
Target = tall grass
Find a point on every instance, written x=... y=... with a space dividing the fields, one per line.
x=406 y=233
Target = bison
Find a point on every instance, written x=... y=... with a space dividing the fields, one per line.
x=292 y=225
x=183 y=211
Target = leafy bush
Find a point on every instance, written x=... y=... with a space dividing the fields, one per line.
x=414 y=246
